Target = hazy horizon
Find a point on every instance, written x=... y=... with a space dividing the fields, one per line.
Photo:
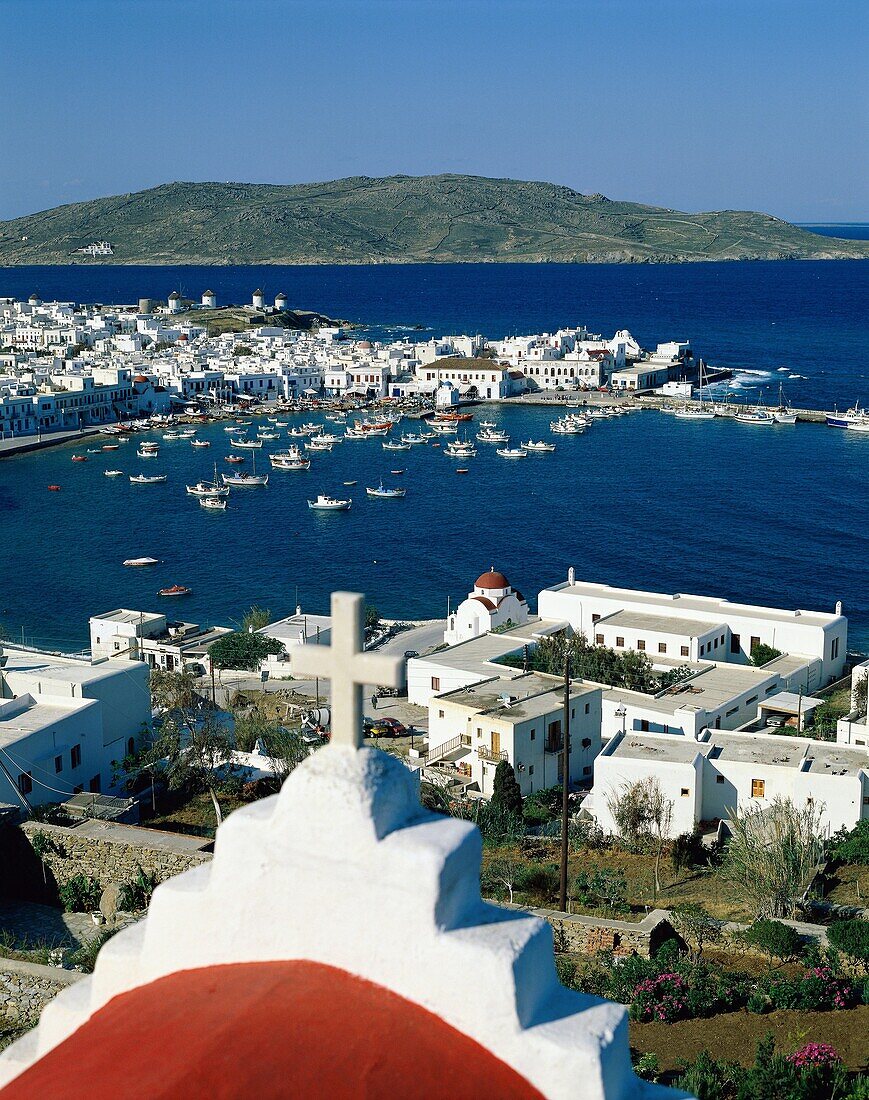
x=685 y=105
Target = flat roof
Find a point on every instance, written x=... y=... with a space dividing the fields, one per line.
x=789 y=702
x=36 y=714
x=478 y=654
x=122 y=615
x=713 y=605
x=67 y=669
x=712 y=688
x=747 y=748
x=533 y=695
x=668 y=749
x=662 y=624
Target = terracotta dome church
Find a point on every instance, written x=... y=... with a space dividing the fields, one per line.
x=493 y=603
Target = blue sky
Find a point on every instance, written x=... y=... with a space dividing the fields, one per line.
x=692 y=104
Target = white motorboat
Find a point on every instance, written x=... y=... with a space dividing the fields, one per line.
x=325 y=503
x=444 y=427
x=689 y=413
x=567 y=426
x=784 y=417
x=512 y=452
x=140 y=563
x=386 y=494
x=188 y=433
x=414 y=440
x=216 y=503
x=394 y=445
x=244 y=480
x=755 y=416
x=297 y=433
x=859 y=425
x=490 y=435
x=206 y=489
x=291 y=459
x=170 y=435
x=487 y=423
x=316 y=443
x=142 y=479
x=539 y=448
x=113 y=473
x=199 y=443
x=268 y=435
x=329 y=437
x=459 y=449
x=246 y=444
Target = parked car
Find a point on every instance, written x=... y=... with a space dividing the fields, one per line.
x=387 y=727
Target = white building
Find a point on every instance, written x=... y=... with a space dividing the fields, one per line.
x=702 y=627
x=710 y=779
x=853 y=729
x=493 y=604
x=63 y=721
x=145 y=636
x=294 y=631
x=519 y=719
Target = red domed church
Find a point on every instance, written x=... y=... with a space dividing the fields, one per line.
x=337 y=945
x=494 y=602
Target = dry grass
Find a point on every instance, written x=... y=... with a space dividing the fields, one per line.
x=849 y=885
x=735 y=1035
x=194 y=817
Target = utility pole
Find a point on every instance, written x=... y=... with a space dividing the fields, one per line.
x=565 y=781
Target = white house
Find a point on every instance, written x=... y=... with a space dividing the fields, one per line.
x=853 y=729
x=146 y=636
x=707 y=627
x=63 y=721
x=709 y=779
x=518 y=719
x=493 y=603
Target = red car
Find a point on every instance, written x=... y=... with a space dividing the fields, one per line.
x=386 y=727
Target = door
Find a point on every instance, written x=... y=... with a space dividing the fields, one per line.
x=496 y=743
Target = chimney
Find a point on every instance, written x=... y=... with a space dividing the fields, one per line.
x=571 y=575
x=838 y=607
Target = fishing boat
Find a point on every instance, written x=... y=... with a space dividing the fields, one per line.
x=701 y=412
x=278 y=423
x=452 y=417
x=175 y=590
x=235 y=430
x=539 y=448
x=170 y=435
x=487 y=423
x=414 y=440
x=445 y=427
x=94 y=450
x=297 y=433
x=396 y=473
x=567 y=425
x=315 y=444
x=394 y=445
x=325 y=503
x=148 y=450
x=79 y=458
x=291 y=459
x=458 y=449
x=234 y=460
x=199 y=443
x=859 y=425
x=491 y=435
x=113 y=473
x=207 y=489
x=312 y=428
x=246 y=444
x=244 y=480
x=512 y=452
x=213 y=504
x=143 y=479
x=462 y=470
x=855 y=415
x=386 y=494
x=140 y=563
x=329 y=437
x=188 y=433
x=268 y=435
x=349 y=482
x=755 y=416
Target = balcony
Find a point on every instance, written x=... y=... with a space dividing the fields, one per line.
x=554 y=745
x=485 y=753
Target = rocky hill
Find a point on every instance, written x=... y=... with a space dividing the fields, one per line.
x=399 y=219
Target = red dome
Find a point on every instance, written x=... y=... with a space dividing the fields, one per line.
x=141 y=378
x=315 y=1030
x=492 y=579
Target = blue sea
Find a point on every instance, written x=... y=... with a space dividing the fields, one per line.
x=768 y=515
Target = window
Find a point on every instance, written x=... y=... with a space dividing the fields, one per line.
x=702 y=650
x=131 y=746
x=440 y=714
x=684 y=651
x=573 y=712
x=587 y=707
x=644 y=725
x=751 y=700
x=755 y=641
x=620 y=643
x=835 y=651
x=685 y=792
x=94 y=785
x=598 y=639
x=533 y=734
x=530 y=769
x=641 y=643
x=58 y=764
x=595 y=619
x=758 y=786
x=731 y=712
x=77 y=789
x=719 y=778
x=25 y=783
x=435 y=683
x=586 y=742
x=75 y=756
x=662 y=647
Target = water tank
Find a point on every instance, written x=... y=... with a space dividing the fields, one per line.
x=319 y=716
x=146 y=305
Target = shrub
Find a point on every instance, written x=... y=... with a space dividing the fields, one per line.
x=711 y=990
x=851 y=847
x=538 y=878
x=777 y=940
x=136 y=895
x=542 y=806
x=821 y=990
x=758 y=1002
x=687 y=851
x=603 y=888
x=663 y=998
x=696 y=925
x=762 y=654
x=851 y=937
x=81 y=894
x=648 y=1067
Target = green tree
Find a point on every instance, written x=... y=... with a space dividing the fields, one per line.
x=762 y=654
x=371 y=618
x=255 y=618
x=773 y=854
x=195 y=757
x=506 y=792
x=851 y=937
x=697 y=926
x=779 y=941
x=243 y=650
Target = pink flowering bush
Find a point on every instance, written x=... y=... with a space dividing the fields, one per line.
x=663 y=998
x=814 y=1055
x=821 y=989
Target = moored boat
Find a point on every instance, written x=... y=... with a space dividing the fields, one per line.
x=325 y=503
x=113 y=473
x=141 y=562
x=512 y=452
x=385 y=493
x=199 y=443
x=175 y=590
x=539 y=447
x=143 y=479
x=216 y=503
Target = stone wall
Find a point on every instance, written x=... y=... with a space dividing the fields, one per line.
x=25 y=989
x=587 y=935
x=109 y=853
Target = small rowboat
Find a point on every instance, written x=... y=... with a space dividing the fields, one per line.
x=386 y=494
x=111 y=447
x=113 y=473
x=462 y=470
x=175 y=590
x=213 y=504
x=54 y=488
x=199 y=443
x=79 y=458
x=236 y=460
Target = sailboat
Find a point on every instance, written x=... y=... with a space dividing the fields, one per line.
x=783 y=414
x=688 y=413
x=206 y=489
x=244 y=480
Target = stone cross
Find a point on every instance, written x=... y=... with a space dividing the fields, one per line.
x=348 y=667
